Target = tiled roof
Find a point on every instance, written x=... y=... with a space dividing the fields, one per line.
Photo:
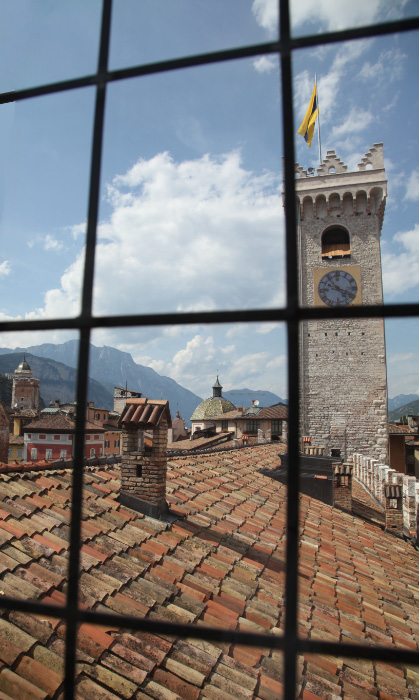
x=58 y=421
x=222 y=565
x=24 y=413
x=274 y=413
x=144 y=413
x=229 y=415
x=267 y=413
x=198 y=443
x=15 y=439
x=397 y=429
x=214 y=406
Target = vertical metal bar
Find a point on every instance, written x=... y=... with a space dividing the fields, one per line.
x=291 y=593
x=83 y=357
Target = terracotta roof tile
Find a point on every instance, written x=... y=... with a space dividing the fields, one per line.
x=224 y=564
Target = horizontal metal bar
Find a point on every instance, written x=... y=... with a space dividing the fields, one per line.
x=206 y=317
x=311 y=646
x=294 y=43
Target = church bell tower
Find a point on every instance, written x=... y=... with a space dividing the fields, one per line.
x=343 y=390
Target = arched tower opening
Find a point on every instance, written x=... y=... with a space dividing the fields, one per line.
x=336 y=243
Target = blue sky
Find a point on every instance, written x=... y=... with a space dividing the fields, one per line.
x=191 y=214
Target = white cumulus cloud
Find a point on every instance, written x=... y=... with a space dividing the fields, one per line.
x=265 y=64
x=5 y=268
x=412 y=190
x=184 y=236
x=331 y=14
x=401 y=269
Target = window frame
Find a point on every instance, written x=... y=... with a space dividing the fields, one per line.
x=291 y=314
x=252 y=426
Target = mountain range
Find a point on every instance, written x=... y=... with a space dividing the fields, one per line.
x=401 y=400
x=55 y=366
x=408 y=409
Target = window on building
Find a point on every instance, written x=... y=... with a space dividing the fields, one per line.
x=335 y=243
x=107 y=443
x=57 y=437
x=34 y=453
x=252 y=425
x=224 y=425
x=42 y=437
x=97 y=416
x=10 y=453
x=92 y=452
x=19 y=453
x=276 y=427
x=48 y=454
x=63 y=454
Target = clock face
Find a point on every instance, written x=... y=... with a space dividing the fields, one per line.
x=337 y=288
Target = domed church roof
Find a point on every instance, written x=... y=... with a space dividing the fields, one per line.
x=23 y=367
x=213 y=406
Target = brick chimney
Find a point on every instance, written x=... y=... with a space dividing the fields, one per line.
x=144 y=456
x=342 y=486
x=393 y=494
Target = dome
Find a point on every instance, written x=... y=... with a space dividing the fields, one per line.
x=23 y=367
x=212 y=407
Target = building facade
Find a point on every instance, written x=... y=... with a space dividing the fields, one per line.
x=25 y=391
x=343 y=389
x=52 y=438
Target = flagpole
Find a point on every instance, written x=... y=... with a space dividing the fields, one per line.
x=318 y=119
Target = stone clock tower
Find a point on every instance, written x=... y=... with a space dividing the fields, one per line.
x=343 y=365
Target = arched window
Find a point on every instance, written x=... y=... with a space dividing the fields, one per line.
x=336 y=244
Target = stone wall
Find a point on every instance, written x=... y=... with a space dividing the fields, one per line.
x=375 y=476
x=343 y=367
x=143 y=470
x=25 y=393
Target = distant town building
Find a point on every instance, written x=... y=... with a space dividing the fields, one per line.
x=25 y=391
x=269 y=423
x=201 y=419
x=108 y=420
x=52 y=437
x=120 y=397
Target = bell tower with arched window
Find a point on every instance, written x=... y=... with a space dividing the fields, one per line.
x=343 y=366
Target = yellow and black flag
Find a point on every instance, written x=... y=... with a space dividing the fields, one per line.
x=307 y=127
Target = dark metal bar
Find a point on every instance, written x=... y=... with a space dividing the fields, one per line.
x=291 y=576
x=292 y=315
x=207 y=317
x=83 y=357
x=293 y=43
x=310 y=646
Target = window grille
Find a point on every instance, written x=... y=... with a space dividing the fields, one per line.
x=291 y=314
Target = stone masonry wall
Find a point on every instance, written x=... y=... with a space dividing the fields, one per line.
x=343 y=368
x=143 y=472
x=374 y=475
x=25 y=392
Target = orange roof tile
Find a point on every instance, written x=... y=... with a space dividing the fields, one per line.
x=222 y=564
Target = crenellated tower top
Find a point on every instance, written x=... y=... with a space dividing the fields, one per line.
x=333 y=191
